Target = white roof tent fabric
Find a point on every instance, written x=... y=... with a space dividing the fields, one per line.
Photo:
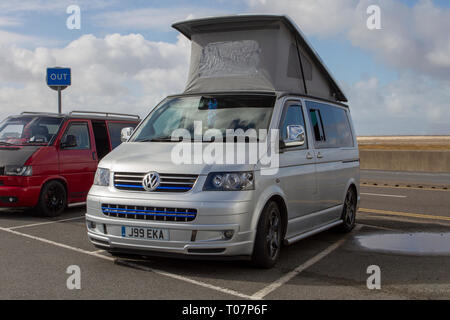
x=255 y=53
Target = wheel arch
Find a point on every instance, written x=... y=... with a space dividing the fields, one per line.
x=59 y=179
x=275 y=194
x=352 y=184
x=283 y=211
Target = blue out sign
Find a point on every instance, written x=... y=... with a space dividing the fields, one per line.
x=58 y=77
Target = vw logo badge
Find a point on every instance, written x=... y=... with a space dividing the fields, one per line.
x=151 y=181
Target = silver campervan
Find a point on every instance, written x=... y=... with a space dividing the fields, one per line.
x=258 y=152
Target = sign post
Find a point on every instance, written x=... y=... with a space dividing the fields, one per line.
x=59 y=79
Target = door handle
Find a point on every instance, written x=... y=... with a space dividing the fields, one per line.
x=309 y=156
x=319 y=155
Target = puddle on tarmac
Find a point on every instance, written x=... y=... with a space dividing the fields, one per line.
x=407 y=243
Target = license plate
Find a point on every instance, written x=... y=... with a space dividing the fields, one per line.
x=145 y=233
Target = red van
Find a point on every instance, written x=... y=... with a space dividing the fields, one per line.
x=49 y=160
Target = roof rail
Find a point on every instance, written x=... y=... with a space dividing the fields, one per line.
x=105 y=114
x=32 y=112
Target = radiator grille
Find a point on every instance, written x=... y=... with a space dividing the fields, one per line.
x=149 y=213
x=169 y=182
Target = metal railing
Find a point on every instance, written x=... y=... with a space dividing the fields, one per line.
x=105 y=114
x=92 y=113
x=32 y=112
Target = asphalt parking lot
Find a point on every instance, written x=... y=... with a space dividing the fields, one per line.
x=404 y=231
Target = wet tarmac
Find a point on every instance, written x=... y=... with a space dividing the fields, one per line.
x=418 y=243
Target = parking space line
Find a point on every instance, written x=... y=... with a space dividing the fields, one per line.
x=383 y=195
x=56 y=244
x=98 y=255
x=44 y=223
x=404 y=214
x=185 y=279
x=378 y=227
x=98 y=251
x=286 y=278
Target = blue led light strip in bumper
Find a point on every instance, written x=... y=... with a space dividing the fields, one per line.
x=178 y=214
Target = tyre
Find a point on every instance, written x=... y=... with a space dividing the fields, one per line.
x=348 y=212
x=53 y=199
x=268 y=239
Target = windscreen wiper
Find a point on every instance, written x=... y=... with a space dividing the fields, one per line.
x=159 y=139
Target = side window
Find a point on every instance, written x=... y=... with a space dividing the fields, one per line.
x=115 y=128
x=331 y=126
x=80 y=130
x=292 y=115
x=344 y=132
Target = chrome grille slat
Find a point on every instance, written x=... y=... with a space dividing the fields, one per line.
x=175 y=178
x=173 y=182
x=126 y=180
x=169 y=182
x=130 y=174
x=149 y=213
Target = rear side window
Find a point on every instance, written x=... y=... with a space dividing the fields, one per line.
x=330 y=124
x=115 y=128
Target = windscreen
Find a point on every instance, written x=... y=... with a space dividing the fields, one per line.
x=29 y=130
x=220 y=112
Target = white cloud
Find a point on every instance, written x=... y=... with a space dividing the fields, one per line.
x=115 y=73
x=415 y=41
x=10 y=22
x=15 y=6
x=320 y=17
x=127 y=73
x=152 y=18
x=8 y=38
x=412 y=38
x=410 y=105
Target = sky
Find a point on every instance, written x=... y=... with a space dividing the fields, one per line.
x=126 y=57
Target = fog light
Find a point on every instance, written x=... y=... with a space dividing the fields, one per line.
x=91 y=225
x=228 y=234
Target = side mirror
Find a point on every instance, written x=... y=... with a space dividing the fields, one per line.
x=126 y=133
x=71 y=142
x=295 y=136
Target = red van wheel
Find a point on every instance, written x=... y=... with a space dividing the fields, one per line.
x=53 y=199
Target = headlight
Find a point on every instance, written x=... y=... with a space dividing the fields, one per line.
x=229 y=181
x=18 y=171
x=101 y=177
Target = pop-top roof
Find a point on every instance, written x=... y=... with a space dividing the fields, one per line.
x=255 y=53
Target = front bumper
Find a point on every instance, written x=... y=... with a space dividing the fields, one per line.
x=202 y=237
x=14 y=197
